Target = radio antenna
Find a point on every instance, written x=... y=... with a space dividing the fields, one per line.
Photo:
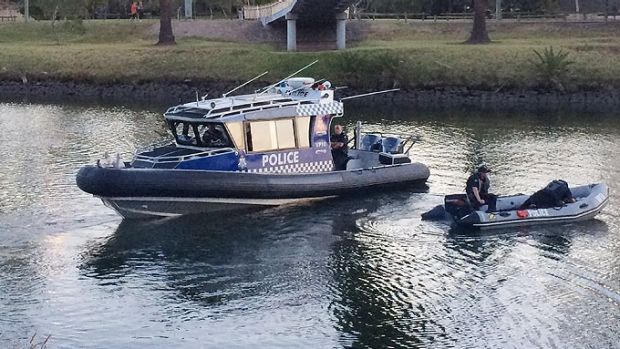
x=369 y=94
x=265 y=89
x=245 y=83
x=303 y=87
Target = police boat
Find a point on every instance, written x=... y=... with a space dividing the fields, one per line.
x=589 y=202
x=268 y=148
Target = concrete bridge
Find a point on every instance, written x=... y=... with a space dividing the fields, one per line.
x=309 y=13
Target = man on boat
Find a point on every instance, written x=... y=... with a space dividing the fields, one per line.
x=212 y=136
x=339 y=144
x=477 y=189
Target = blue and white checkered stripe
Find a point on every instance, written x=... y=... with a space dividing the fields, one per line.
x=319 y=109
x=307 y=167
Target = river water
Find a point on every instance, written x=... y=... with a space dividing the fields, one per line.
x=361 y=272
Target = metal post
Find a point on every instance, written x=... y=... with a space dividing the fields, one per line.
x=606 y=9
x=498 y=9
x=291 y=32
x=341 y=31
x=577 y=6
x=26 y=10
x=188 y=9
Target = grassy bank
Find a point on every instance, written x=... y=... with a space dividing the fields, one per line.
x=410 y=54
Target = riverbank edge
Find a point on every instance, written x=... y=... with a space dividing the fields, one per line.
x=445 y=97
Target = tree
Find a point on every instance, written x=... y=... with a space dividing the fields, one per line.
x=46 y=9
x=479 y=33
x=165 y=23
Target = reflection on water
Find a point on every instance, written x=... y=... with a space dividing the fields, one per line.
x=360 y=272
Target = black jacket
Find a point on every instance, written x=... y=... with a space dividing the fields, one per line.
x=474 y=181
x=340 y=138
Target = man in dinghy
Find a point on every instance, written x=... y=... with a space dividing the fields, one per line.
x=477 y=189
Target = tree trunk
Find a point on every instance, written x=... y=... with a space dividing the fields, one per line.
x=479 y=33
x=165 y=23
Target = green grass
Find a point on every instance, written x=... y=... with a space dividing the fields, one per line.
x=393 y=53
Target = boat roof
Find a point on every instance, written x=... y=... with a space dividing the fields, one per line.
x=279 y=102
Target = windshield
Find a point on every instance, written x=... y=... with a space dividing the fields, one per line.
x=209 y=135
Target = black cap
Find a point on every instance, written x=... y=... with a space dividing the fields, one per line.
x=484 y=169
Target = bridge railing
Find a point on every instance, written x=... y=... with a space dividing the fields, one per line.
x=262 y=11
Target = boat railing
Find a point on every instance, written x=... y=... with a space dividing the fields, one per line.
x=178 y=158
x=255 y=106
x=151 y=146
x=233 y=109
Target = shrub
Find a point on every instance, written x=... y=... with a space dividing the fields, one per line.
x=552 y=66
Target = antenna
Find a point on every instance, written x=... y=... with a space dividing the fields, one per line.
x=245 y=83
x=370 y=94
x=265 y=89
x=303 y=87
x=318 y=82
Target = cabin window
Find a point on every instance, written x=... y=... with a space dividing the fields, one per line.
x=302 y=128
x=262 y=136
x=271 y=135
x=235 y=129
x=214 y=135
x=285 y=133
x=184 y=133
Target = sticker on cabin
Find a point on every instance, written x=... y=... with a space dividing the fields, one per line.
x=280 y=159
x=321 y=124
x=242 y=165
x=319 y=109
x=321 y=147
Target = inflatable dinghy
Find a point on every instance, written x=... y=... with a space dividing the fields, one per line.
x=590 y=201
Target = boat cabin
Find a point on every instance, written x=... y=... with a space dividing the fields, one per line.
x=282 y=130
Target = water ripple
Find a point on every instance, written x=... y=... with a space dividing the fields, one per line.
x=360 y=272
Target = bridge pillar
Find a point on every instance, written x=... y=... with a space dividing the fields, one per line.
x=341 y=31
x=291 y=32
x=498 y=9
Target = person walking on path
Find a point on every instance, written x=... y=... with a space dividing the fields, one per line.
x=140 y=10
x=133 y=11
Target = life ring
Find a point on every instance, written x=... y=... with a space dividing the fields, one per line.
x=522 y=213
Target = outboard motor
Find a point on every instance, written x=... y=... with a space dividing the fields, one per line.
x=458 y=205
x=371 y=142
x=391 y=145
x=438 y=213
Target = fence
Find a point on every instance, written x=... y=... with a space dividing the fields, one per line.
x=257 y=12
x=468 y=16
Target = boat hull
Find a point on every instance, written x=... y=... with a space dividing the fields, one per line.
x=149 y=207
x=139 y=193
